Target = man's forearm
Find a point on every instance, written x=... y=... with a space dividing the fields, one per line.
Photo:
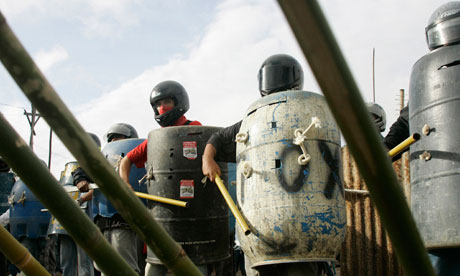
x=209 y=152
x=125 y=167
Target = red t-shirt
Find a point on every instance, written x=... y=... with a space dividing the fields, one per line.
x=138 y=155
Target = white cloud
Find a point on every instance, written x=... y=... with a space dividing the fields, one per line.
x=97 y=18
x=45 y=59
x=219 y=73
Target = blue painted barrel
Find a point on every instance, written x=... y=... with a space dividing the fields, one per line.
x=26 y=216
x=114 y=152
x=295 y=207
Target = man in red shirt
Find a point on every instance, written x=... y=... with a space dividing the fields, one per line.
x=169 y=101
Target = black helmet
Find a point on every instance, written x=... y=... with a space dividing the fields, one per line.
x=120 y=129
x=280 y=73
x=95 y=139
x=444 y=26
x=174 y=90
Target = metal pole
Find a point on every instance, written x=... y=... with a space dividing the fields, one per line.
x=373 y=74
x=32 y=131
x=37 y=89
x=36 y=176
x=342 y=94
x=401 y=99
x=19 y=256
x=49 y=152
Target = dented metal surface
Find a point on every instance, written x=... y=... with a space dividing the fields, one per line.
x=295 y=211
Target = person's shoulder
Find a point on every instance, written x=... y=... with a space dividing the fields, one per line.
x=195 y=123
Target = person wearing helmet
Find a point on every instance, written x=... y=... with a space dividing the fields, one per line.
x=277 y=73
x=169 y=101
x=120 y=131
x=81 y=179
x=378 y=116
x=433 y=85
x=116 y=132
x=443 y=39
x=399 y=131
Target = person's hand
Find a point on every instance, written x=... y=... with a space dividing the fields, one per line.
x=83 y=186
x=210 y=168
x=79 y=201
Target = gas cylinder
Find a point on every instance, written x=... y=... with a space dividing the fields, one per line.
x=434 y=108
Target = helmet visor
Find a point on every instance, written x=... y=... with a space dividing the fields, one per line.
x=274 y=77
x=443 y=33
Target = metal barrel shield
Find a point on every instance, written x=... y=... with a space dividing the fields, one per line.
x=434 y=109
x=26 y=217
x=174 y=160
x=114 y=152
x=289 y=183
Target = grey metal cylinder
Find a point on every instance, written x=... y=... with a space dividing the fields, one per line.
x=295 y=207
x=174 y=162
x=434 y=110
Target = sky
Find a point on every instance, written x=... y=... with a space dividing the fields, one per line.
x=104 y=57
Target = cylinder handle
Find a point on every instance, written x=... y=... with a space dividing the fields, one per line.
x=300 y=137
x=247 y=170
x=426 y=130
x=147 y=176
x=241 y=137
x=425 y=156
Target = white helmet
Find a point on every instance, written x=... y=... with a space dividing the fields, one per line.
x=379 y=116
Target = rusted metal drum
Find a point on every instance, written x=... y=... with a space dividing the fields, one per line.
x=289 y=183
x=174 y=163
x=434 y=111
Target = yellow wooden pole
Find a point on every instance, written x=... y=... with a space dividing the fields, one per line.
x=162 y=199
x=231 y=204
x=404 y=144
x=19 y=256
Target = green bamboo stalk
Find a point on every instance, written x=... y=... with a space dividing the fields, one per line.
x=342 y=94
x=25 y=163
x=42 y=95
x=19 y=255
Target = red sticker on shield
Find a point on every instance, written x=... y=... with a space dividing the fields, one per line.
x=190 y=150
x=187 y=189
